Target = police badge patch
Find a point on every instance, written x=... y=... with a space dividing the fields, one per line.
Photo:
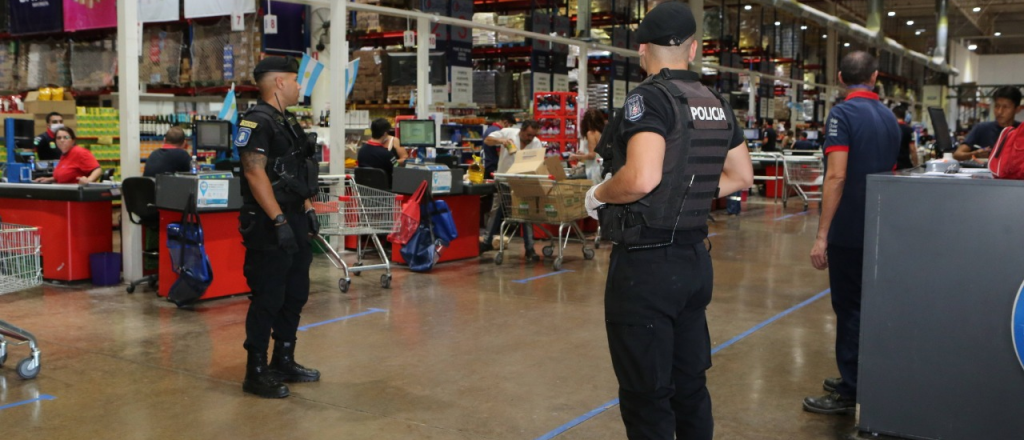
x=635 y=108
x=242 y=139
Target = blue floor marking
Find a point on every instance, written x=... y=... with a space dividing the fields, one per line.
x=594 y=412
x=367 y=312
x=793 y=215
x=527 y=280
x=26 y=402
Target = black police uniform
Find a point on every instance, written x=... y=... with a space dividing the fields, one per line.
x=660 y=278
x=279 y=280
x=46 y=147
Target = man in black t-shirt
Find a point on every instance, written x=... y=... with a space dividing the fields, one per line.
x=770 y=137
x=981 y=139
x=172 y=157
x=908 y=148
x=374 y=153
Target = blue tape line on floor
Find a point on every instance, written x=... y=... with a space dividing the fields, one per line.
x=316 y=324
x=527 y=280
x=793 y=215
x=26 y=402
x=594 y=412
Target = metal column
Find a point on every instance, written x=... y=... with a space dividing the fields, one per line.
x=697 y=6
x=422 y=67
x=337 y=65
x=831 y=61
x=128 y=36
x=874 y=19
x=941 y=31
x=583 y=20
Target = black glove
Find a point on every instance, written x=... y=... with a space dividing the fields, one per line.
x=314 y=222
x=285 y=235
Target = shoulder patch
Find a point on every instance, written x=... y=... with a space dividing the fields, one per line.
x=635 y=108
x=37 y=140
x=247 y=123
x=242 y=139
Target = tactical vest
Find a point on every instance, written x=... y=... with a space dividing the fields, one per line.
x=294 y=175
x=695 y=151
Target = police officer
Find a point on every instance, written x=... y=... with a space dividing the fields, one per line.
x=862 y=137
x=275 y=221
x=677 y=147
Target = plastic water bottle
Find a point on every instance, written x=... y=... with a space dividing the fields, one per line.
x=194 y=166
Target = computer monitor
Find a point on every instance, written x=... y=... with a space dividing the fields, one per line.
x=943 y=139
x=213 y=135
x=751 y=134
x=811 y=134
x=417 y=133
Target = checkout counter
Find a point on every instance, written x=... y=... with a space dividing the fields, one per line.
x=219 y=199
x=74 y=221
x=942 y=321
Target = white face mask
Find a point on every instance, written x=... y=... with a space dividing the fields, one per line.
x=55 y=127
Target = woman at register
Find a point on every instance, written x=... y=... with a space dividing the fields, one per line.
x=77 y=165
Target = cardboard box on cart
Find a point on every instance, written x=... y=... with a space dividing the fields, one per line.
x=550 y=200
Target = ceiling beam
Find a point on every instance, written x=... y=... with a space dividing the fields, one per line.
x=982 y=21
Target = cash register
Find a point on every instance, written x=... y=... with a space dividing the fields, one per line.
x=21 y=158
x=421 y=135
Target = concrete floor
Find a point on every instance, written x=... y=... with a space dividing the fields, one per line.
x=466 y=352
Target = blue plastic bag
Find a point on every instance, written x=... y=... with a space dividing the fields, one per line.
x=188 y=257
x=420 y=253
x=443 y=222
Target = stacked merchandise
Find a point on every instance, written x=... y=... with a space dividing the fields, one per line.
x=605 y=6
x=43 y=64
x=161 y=59
x=93 y=64
x=374 y=22
x=8 y=67
x=220 y=56
x=97 y=121
x=401 y=93
x=493 y=89
x=369 y=84
x=483 y=37
x=598 y=96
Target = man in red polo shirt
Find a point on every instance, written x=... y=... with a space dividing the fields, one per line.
x=172 y=157
x=862 y=137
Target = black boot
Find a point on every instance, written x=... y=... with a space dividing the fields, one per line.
x=259 y=380
x=287 y=370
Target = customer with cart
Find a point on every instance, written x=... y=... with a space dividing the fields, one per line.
x=510 y=140
x=679 y=146
x=862 y=138
x=279 y=177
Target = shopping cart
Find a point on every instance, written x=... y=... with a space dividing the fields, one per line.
x=536 y=199
x=345 y=208
x=19 y=270
x=805 y=175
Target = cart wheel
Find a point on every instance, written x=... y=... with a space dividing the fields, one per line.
x=558 y=264
x=356 y=272
x=28 y=368
x=385 y=281
x=588 y=254
x=597 y=244
x=805 y=206
x=152 y=283
x=547 y=251
x=344 y=284
x=130 y=289
x=498 y=258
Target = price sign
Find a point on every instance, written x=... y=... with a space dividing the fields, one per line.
x=408 y=39
x=270 y=24
x=237 y=22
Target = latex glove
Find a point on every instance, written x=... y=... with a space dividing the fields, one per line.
x=592 y=203
x=314 y=222
x=285 y=235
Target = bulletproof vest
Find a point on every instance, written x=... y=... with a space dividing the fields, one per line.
x=294 y=174
x=695 y=150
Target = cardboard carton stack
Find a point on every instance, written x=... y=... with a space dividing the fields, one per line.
x=370 y=84
x=401 y=93
x=39 y=109
x=552 y=200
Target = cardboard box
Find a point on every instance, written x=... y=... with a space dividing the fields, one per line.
x=42 y=108
x=534 y=162
x=552 y=200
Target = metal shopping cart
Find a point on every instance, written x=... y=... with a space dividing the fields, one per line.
x=19 y=270
x=345 y=208
x=805 y=175
x=536 y=199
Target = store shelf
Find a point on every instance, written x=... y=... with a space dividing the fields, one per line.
x=388 y=106
x=201 y=90
x=393 y=37
x=508 y=51
x=513 y=5
x=604 y=19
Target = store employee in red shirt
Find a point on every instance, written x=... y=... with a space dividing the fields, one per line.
x=77 y=165
x=862 y=137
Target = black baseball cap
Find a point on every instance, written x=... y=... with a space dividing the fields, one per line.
x=668 y=24
x=275 y=64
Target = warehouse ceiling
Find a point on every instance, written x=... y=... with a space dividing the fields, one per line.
x=971 y=21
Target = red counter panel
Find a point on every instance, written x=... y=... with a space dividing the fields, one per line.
x=69 y=233
x=466 y=212
x=224 y=247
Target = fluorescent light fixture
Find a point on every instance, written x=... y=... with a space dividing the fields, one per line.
x=977 y=9
x=910 y=22
x=824 y=35
x=804 y=28
x=846 y=44
x=998 y=34
x=972 y=47
x=747 y=8
x=778 y=23
x=917 y=33
x=892 y=13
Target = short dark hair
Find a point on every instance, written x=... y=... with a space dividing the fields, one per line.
x=1008 y=92
x=175 y=136
x=379 y=127
x=530 y=123
x=900 y=112
x=593 y=120
x=68 y=130
x=857 y=68
x=52 y=114
x=509 y=119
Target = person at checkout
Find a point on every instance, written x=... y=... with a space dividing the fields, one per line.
x=383 y=150
x=509 y=141
x=979 y=142
x=77 y=165
x=172 y=157
x=490 y=152
x=46 y=143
